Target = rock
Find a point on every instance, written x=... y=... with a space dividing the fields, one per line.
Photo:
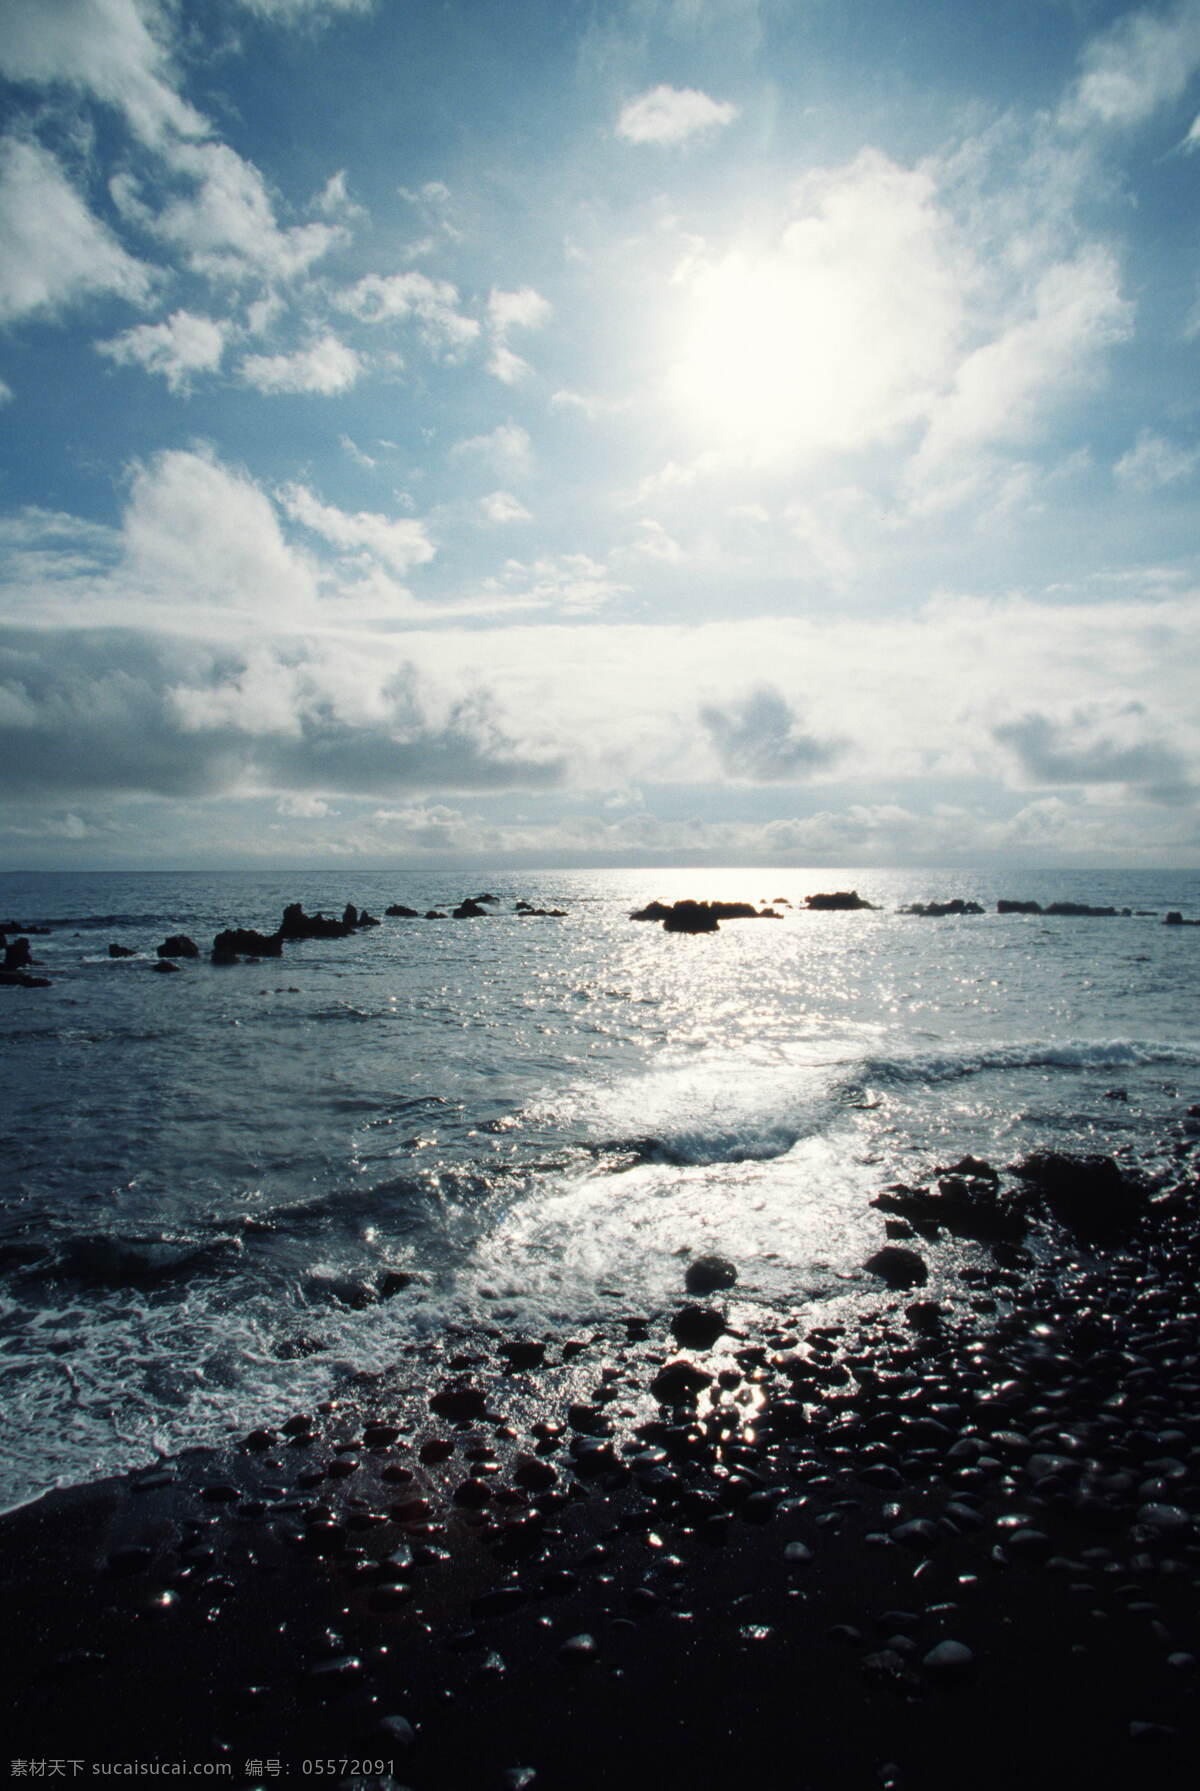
x=397 y=1730
x=578 y=1651
x=178 y=946
x=434 y=914
x=399 y=912
x=967 y=1201
x=797 y=1554
x=691 y=917
x=708 y=1274
x=949 y=1660
x=1010 y=907
x=1082 y=909
x=165 y=965
x=17 y=955
x=1088 y=1194
x=296 y=924
x=936 y=910
x=459 y=1401
x=469 y=910
x=1175 y=919
x=679 y=1383
x=19 y=979
x=898 y=1267
x=697 y=1327
x=121 y=951
x=245 y=942
x=836 y=901
x=918 y=1534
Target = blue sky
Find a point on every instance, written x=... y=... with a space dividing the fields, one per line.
x=659 y=431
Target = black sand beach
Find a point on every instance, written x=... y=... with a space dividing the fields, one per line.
x=940 y=1546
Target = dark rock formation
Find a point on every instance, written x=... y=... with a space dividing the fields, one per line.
x=898 y=1267
x=967 y=1200
x=1074 y=909
x=121 y=951
x=179 y=946
x=296 y=924
x=1013 y=907
x=244 y=942
x=706 y=1274
x=936 y=910
x=164 y=965
x=18 y=926
x=1091 y=1195
x=689 y=916
x=1175 y=919
x=837 y=899
x=470 y=910
x=17 y=955
x=399 y=912
x=434 y=914
x=19 y=979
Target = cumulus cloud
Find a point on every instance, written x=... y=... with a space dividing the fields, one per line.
x=294 y=12
x=1001 y=391
x=508 y=448
x=829 y=333
x=122 y=711
x=759 y=738
x=400 y=543
x=196 y=532
x=672 y=115
x=503 y=507
x=183 y=345
x=1097 y=747
x=327 y=366
x=116 y=50
x=226 y=226
x=56 y=251
x=1145 y=60
x=1153 y=462
x=507 y=311
x=384 y=298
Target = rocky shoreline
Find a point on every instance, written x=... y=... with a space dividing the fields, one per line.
x=938 y=1544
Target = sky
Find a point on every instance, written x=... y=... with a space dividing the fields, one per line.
x=570 y=432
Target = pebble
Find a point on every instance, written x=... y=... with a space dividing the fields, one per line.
x=707 y=1274
x=578 y=1650
x=797 y=1553
x=950 y=1659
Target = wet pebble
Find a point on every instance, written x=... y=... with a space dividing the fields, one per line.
x=949 y=1659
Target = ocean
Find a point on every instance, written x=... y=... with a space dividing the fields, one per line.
x=228 y=1191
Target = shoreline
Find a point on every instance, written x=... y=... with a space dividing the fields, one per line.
x=929 y=1547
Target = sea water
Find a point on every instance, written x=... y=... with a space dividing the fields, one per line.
x=224 y=1191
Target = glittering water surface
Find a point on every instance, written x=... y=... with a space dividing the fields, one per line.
x=223 y=1188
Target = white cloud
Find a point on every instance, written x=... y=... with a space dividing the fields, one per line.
x=55 y=251
x=1153 y=462
x=380 y=298
x=195 y=532
x=226 y=227
x=6 y=392
x=503 y=507
x=1001 y=390
x=294 y=12
x=507 y=448
x=672 y=115
x=831 y=333
x=1145 y=60
x=326 y=366
x=117 y=50
x=179 y=347
x=400 y=543
x=524 y=310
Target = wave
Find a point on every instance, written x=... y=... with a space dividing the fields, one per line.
x=1067 y=1054
x=116 y=1261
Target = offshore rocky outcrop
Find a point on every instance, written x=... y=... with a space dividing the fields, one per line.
x=689 y=916
x=836 y=901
